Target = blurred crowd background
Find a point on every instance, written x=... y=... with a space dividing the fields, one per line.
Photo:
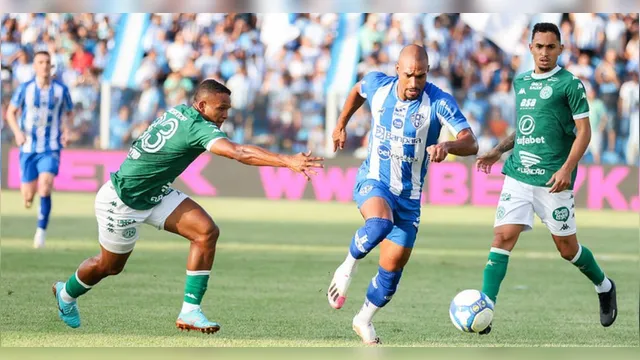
x=278 y=98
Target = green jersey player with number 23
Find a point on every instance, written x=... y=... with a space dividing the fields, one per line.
x=140 y=192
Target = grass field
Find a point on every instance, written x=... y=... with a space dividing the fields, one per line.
x=274 y=263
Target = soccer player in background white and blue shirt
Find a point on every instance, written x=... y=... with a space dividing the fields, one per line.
x=408 y=114
x=40 y=132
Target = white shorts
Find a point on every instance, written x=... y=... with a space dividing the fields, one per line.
x=118 y=224
x=519 y=202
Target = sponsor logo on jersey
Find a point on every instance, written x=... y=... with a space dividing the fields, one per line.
x=381 y=133
x=553 y=78
x=384 y=152
x=400 y=111
x=522 y=91
x=528 y=160
x=536 y=85
x=526 y=126
x=528 y=103
x=526 y=78
x=397 y=123
x=546 y=92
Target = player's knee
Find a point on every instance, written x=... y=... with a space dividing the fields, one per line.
x=383 y=286
x=567 y=249
x=377 y=229
x=504 y=240
x=45 y=189
x=208 y=235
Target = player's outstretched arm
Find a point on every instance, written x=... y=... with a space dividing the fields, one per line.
x=302 y=163
x=352 y=104
x=465 y=144
x=485 y=161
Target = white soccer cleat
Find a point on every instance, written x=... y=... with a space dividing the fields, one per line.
x=39 y=238
x=337 y=294
x=366 y=332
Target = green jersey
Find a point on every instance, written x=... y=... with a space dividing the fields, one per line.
x=170 y=144
x=547 y=106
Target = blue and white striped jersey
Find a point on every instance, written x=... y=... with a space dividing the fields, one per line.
x=41 y=117
x=402 y=130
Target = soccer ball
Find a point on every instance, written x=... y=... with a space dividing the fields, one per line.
x=471 y=311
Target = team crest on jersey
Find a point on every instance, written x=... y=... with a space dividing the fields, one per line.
x=546 y=92
x=418 y=119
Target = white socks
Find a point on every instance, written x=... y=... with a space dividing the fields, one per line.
x=350 y=263
x=65 y=296
x=186 y=307
x=366 y=313
x=604 y=287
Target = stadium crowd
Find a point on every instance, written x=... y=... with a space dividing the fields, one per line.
x=278 y=101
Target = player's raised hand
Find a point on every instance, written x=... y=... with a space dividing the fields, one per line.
x=437 y=153
x=560 y=180
x=339 y=138
x=20 y=138
x=304 y=163
x=484 y=162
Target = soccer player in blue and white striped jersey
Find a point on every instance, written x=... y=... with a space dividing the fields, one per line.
x=408 y=114
x=40 y=132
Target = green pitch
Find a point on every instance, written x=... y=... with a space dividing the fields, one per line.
x=274 y=263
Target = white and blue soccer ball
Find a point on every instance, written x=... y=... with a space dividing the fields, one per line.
x=471 y=311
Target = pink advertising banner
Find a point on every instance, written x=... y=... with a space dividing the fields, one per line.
x=449 y=183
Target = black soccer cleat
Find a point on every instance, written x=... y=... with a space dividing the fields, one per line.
x=608 y=306
x=487 y=330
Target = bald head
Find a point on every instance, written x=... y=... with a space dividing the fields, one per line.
x=414 y=53
x=412 y=68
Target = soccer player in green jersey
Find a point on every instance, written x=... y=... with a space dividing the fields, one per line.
x=552 y=134
x=140 y=192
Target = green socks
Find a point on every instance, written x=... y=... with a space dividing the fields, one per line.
x=196 y=286
x=585 y=261
x=74 y=287
x=494 y=272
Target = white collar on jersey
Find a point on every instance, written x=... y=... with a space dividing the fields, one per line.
x=545 y=75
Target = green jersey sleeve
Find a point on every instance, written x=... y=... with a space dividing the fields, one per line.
x=577 y=97
x=202 y=134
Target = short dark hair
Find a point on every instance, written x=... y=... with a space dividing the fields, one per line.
x=545 y=27
x=210 y=86
x=41 y=52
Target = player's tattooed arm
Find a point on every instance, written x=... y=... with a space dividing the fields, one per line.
x=506 y=144
x=484 y=162
x=253 y=155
